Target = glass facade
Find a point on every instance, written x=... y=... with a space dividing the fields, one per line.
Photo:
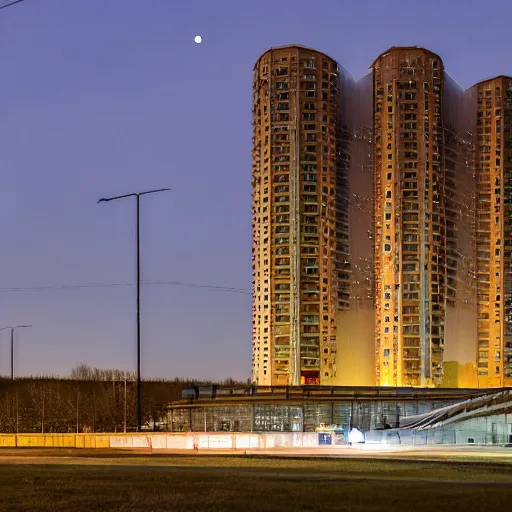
x=296 y=417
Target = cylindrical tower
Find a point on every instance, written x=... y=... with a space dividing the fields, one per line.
x=299 y=216
x=492 y=105
x=409 y=217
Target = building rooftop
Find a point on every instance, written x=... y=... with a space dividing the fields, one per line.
x=298 y=46
x=218 y=395
x=401 y=48
x=491 y=78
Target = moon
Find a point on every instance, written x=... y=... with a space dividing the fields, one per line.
x=198 y=39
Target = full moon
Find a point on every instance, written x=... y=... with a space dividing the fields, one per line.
x=198 y=39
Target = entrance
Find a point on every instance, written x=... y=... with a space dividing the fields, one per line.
x=310 y=377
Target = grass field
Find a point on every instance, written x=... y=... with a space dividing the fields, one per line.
x=120 y=482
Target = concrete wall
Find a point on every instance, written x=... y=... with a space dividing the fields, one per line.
x=460 y=375
x=55 y=440
x=162 y=441
x=355 y=337
x=460 y=334
x=496 y=429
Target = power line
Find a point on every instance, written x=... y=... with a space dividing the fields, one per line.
x=8 y=3
x=195 y=285
x=15 y=289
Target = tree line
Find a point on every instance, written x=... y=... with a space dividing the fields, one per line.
x=91 y=400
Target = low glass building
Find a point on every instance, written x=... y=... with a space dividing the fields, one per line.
x=305 y=408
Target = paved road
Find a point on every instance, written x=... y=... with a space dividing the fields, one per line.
x=494 y=454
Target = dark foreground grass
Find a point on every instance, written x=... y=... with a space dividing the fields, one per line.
x=229 y=484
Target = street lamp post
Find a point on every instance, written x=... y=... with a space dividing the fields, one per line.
x=12 y=328
x=137 y=196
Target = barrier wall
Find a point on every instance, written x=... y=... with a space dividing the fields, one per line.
x=163 y=441
x=215 y=441
x=478 y=431
x=55 y=440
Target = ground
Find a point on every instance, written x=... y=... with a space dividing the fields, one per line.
x=86 y=480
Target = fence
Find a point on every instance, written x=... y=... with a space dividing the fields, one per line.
x=498 y=433
x=189 y=441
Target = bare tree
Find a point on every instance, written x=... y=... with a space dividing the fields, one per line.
x=37 y=393
x=83 y=371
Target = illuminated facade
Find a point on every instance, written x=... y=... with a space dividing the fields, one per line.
x=382 y=223
x=299 y=215
x=410 y=218
x=492 y=101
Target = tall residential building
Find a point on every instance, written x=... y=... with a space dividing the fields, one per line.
x=492 y=102
x=299 y=215
x=410 y=227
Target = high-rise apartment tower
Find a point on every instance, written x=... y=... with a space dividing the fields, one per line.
x=299 y=215
x=410 y=249
x=492 y=102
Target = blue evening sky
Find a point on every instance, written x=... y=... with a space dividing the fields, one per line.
x=106 y=97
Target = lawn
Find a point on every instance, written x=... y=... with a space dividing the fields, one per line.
x=210 y=483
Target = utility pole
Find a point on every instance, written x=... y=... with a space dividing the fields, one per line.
x=17 y=418
x=12 y=328
x=125 y=402
x=137 y=196
x=77 y=417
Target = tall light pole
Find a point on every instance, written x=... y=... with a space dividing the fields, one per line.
x=12 y=328
x=137 y=196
